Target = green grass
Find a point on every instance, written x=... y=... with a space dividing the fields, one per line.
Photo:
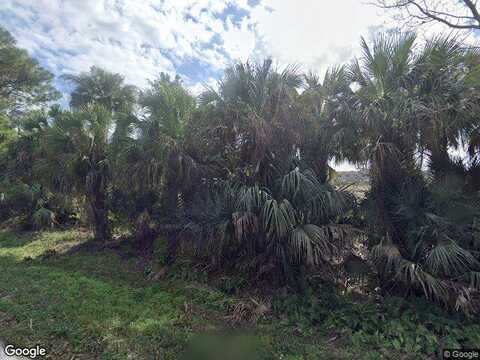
x=93 y=305
x=86 y=304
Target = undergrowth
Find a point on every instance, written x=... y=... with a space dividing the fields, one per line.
x=88 y=304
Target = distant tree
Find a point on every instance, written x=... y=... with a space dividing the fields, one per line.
x=101 y=87
x=461 y=14
x=109 y=90
x=23 y=82
x=24 y=85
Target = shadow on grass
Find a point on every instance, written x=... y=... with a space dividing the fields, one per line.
x=87 y=303
x=14 y=240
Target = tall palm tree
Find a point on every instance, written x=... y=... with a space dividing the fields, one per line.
x=110 y=91
x=447 y=91
x=417 y=241
x=384 y=107
x=255 y=108
x=75 y=159
x=169 y=107
x=102 y=87
x=269 y=214
x=156 y=163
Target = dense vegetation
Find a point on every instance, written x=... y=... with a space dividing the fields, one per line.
x=237 y=183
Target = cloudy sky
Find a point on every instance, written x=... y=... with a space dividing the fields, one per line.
x=194 y=38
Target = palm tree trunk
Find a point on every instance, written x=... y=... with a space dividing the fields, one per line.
x=386 y=181
x=96 y=195
x=144 y=235
x=100 y=221
x=384 y=213
x=440 y=162
x=170 y=204
x=171 y=207
x=171 y=248
x=321 y=168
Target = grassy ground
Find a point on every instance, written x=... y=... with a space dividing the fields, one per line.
x=84 y=304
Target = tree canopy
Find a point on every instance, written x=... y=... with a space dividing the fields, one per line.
x=23 y=82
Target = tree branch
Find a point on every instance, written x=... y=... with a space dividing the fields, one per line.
x=426 y=13
x=473 y=9
x=442 y=20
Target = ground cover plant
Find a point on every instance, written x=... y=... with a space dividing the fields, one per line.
x=79 y=302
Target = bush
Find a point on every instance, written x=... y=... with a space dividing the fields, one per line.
x=274 y=233
x=33 y=207
x=414 y=326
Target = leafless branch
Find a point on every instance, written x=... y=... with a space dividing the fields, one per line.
x=461 y=15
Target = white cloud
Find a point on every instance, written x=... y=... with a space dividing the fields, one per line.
x=198 y=88
x=140 y=38
x=135 y=38
x=317 y=34
x=239 y=40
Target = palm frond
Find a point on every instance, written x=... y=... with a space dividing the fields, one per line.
x=449 y=258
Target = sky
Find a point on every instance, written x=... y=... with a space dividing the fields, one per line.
x=196 y=39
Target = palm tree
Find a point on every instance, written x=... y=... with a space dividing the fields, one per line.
x=156 y=163
x=22 y=195
x=168 y=107
x=275 y=233
x=447 y=91
x=269 y=214
x=109 y=90
x=102 y=87
x=418 y=242
x=75 y=159
x=256 y=112
x=383 y=107
x=330 y=131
